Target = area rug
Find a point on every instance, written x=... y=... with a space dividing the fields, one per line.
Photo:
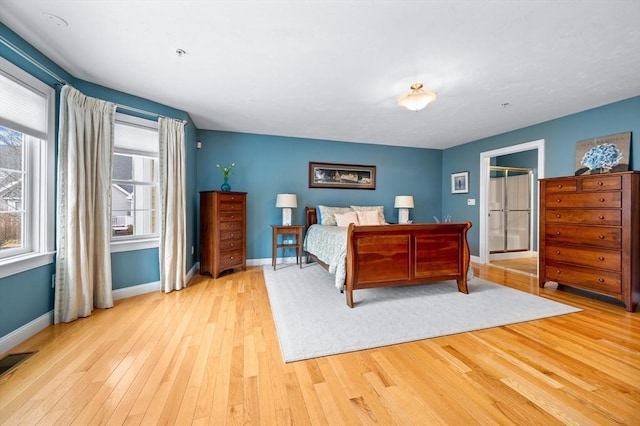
x=312 y=318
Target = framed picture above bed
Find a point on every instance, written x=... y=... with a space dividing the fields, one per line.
x=341 y=176
x=460 y=183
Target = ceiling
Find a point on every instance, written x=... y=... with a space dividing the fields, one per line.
x=334 y=69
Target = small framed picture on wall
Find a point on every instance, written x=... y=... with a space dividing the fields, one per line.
x=460 y=183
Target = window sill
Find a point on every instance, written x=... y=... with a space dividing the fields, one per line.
x=18 y=264
x=130 y=245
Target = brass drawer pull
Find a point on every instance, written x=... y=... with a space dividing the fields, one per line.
x=558 y=200
x=558 y=272
x=600 y=183
x=558 y=216
x=557 y=251
x=601 y=259
x=602 y=200
x=560 y=186
x=601 y=217
x=601 y=237
x=557 y=232
x=601 y=280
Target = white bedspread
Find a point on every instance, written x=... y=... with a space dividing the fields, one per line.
x=329 y=244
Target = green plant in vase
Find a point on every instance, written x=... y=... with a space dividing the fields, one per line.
x=226 y=173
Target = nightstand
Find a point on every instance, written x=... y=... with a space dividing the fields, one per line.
x=294 y=231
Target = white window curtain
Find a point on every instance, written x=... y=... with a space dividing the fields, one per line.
x=83 y=258
x=172 y=250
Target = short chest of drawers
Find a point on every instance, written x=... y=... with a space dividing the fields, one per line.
x=223 y=239
x=590 y=234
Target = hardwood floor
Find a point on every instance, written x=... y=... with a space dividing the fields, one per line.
x=209 y=354
x=527 y=265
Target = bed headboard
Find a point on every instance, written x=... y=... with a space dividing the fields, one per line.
x=311 y=216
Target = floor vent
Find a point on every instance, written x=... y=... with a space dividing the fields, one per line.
x=11 y=361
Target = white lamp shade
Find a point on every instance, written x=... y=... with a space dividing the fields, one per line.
x=417 y=99
x=287 y=200
x=404 y=202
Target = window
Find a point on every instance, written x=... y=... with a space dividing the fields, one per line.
x=134 y=184
x=26 y=170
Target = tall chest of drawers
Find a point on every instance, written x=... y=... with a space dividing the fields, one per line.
x=223 y=242
x=590 y=234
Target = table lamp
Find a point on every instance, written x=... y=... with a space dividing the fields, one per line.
x=286 y=202
x=403 y=203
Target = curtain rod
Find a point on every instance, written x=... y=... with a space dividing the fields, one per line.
x=61 y=81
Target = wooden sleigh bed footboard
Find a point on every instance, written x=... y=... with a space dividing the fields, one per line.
x=395 y=255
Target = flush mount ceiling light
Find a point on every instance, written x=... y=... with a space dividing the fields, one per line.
x=417 y=98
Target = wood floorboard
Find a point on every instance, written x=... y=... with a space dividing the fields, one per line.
x=209 y=354
x=526 y=265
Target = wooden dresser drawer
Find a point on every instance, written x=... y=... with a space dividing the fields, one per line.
x=584 y=200
x=230 y=226
x=237 y=206
x=603 y=281
x=562 y=185
x=601 y=259
x=590 y=217
x=233 y=244
x=230 y=258
x=231 y=235
x=597 y=236
x=230 y=198
x=229 y=216
x=604 y=183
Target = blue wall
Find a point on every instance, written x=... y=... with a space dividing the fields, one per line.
x=560 y=137
x=268 y=165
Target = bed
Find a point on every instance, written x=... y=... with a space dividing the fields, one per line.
x=367 y=256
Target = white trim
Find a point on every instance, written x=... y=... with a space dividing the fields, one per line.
x=485 y=163
x=135 y=290
x=192 y=272
x=267 y=261
x=513 y=255
x=17 y=264
x=40 y=183
x=28 y=330
x=119 y=246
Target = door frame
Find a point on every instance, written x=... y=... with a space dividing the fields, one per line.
x=485 y=163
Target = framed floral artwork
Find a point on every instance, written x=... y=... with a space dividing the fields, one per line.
x=603 y=154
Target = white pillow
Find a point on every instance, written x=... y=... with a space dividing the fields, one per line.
x=368 y=217
x=327 y=214
x=379 y=209
x=344 y=219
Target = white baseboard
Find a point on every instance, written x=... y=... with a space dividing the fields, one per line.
x=136 y=290
x=512 y=255
x=267 y=261
x=21 y=334
x=43 y=321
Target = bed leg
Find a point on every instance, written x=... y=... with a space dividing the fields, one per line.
x=462 y=286
x=349 y=294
